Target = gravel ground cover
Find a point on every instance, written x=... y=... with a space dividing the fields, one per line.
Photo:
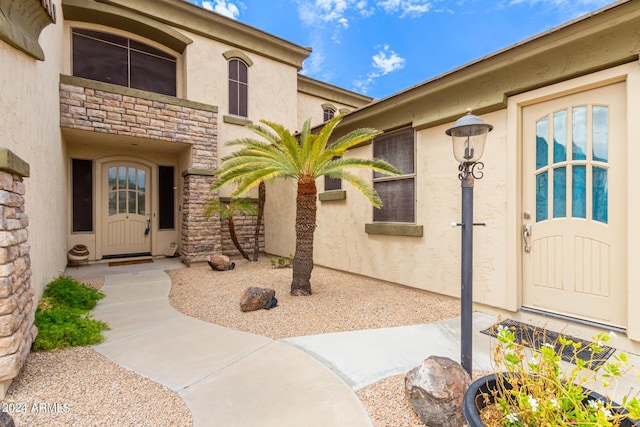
x=339 y=302
x=80 y=387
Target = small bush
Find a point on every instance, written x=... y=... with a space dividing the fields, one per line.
x=63 y=318
x=68 y=292
x=63 y=327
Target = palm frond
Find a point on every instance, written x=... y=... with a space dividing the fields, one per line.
x=360 y=184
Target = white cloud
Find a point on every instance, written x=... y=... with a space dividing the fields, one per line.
x=223 y=7
x=411 y=8
x=384 y=62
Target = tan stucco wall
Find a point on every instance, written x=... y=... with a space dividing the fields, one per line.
x=429 y=262
x=310 y=106
x=29 y=126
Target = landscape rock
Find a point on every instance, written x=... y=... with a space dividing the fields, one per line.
x=256 y=298
x=435 y=390
x=220 y=263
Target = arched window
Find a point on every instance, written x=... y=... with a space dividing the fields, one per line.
x=238 y=87
x=328 y=112
x=122 y=61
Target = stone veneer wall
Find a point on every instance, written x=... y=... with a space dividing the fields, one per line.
x=200 y=235
x=245 y=226
x=17 y=329
x=106 y=108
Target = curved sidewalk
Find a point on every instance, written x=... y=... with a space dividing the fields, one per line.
x=226 y=377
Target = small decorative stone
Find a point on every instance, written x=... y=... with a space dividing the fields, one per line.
x=435 y=390
x=220 y=263
x=256 y=298
x=6 y=420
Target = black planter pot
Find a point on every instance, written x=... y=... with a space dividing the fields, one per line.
x=474 y=401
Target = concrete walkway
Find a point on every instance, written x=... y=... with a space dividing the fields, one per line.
x=233 y=378
x=226 y=377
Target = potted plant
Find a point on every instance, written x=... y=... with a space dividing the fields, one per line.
x=532 y=389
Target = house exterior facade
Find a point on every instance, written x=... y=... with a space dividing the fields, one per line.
x=559 y=161
x=114 y=115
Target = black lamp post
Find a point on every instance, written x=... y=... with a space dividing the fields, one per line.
x=468 y=134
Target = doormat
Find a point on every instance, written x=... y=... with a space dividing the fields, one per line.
x=130 y=262
x=535 y=337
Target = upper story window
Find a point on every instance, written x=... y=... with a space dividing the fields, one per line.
x=122 y=61
x=328 y=113
x=397 y=192
x=238 y=87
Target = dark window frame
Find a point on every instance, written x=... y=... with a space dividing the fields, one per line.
x=398 y=193
x=166 y=198
x=238 y=87
x=82 y=196
x=328 y=113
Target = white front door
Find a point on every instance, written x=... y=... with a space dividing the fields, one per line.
x=573 y=204
x=126 y=212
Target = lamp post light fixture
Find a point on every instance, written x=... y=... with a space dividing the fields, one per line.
x=468 y=135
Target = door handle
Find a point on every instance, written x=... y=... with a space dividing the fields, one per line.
x=526 y=232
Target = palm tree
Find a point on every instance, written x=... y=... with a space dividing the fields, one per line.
x=226 y=211
x=303 y=157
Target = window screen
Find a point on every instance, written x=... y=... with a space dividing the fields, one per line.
x=397 y=192
x=118 y=60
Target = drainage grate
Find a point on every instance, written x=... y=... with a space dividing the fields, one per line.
x=535 y=337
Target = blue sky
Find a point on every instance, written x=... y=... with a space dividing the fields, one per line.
x=379 y=47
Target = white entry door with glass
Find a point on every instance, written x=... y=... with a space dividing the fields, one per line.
x=574 y=212
x=126 y=216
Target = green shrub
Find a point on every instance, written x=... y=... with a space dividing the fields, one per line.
x=63 y=318
x=68 y=292
x=64 y=327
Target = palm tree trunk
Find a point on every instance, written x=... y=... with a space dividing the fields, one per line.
x=234 y=238
x=305 y=226
x=262 y=197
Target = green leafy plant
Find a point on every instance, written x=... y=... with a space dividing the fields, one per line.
x=63 y=318
x=68 y=292
x=532 y=388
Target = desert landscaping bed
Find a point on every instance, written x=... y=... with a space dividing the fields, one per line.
x=91 y=390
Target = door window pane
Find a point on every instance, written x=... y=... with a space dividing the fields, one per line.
x=579 y=189
x=560 y=192
x=542 y=197
x=132 y=202
x=113 y=203
x=560 y=136
x=600 y=195
x=579 y=135
x=122 y=177
x=600 y=134
x=122 y=202
x=542 y=145
x=112 y=179
x=132 y=179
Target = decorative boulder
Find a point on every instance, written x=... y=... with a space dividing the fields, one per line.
x=435 y=390
x=256 y=298
x=220 y=263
